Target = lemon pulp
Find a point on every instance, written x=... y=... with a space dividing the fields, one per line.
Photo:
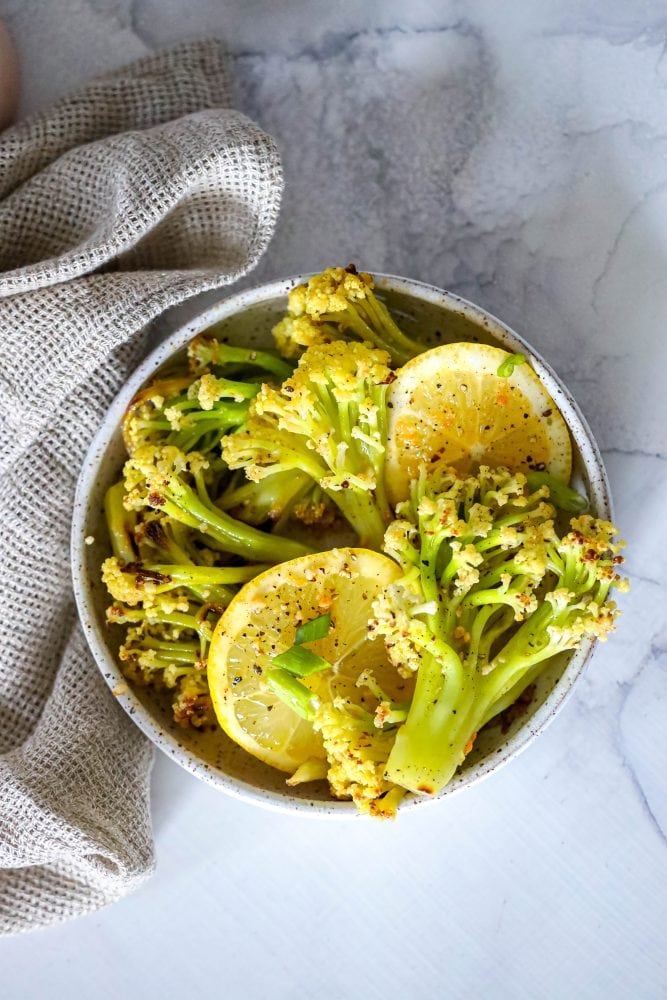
x=448 y=407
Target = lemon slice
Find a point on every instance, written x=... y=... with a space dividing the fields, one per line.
x=261 y=622
x=449 y=407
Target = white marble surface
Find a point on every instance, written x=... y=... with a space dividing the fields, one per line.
x=515 y=153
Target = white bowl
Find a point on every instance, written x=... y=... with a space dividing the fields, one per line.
x=247 y=318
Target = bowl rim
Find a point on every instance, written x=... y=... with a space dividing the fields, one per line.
x=226 y=307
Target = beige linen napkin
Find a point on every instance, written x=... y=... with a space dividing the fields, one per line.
x=142 y=189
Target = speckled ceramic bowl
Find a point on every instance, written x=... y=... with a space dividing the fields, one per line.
x=247 y=318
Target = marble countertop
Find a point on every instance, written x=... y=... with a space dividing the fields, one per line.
x=516 y=154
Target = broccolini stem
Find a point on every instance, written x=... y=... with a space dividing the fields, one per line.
x=432 y=742
x=450 y=618
x=378 y=456
x=202 y=492
x=430 y=546
x=311 y=770
x=273 y=498
x=172 y=652
x=223 y=410
x=158 y=661
x=562 y=495
x=203 y=575
x=516 y=677
x=500 y=625
x=174 y=542
x=372 y=322
x=512 y=694
x=482 y=618
x=360 y=509
x=291 y=459
x=151 y=616
x=490 y=579
x=214 y=422
x=400 y=346
x=120 y=523
x=530 y=640
x=181 y=502
x=350 y=319
x=496 y=596
x=208 y=350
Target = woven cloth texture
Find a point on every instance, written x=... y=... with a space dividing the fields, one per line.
x=142 y=189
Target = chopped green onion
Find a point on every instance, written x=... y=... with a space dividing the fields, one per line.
x=563 y=496
x=300 y=662
x=292 y=692
x=317 y=628
x=506 y=368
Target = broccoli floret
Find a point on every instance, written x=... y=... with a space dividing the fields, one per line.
x=356 y=738
x=329 y=421
x=171 y=543
x=193 y=705
x=357 y=753
x=121 y=523
x=167 y=649
x=167 y=480
x=338 y=304
x=174 y=614
x=357 y=742
x=142 y=583
x=489 y=594
x=172 y=630
x=187 y=413
x=151 y=656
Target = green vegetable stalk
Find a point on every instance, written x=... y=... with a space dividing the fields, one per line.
x=490 y=593
x=167 y=480
x=329 y=422
x=340 y=304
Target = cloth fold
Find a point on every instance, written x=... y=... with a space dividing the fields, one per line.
x=139 y=191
